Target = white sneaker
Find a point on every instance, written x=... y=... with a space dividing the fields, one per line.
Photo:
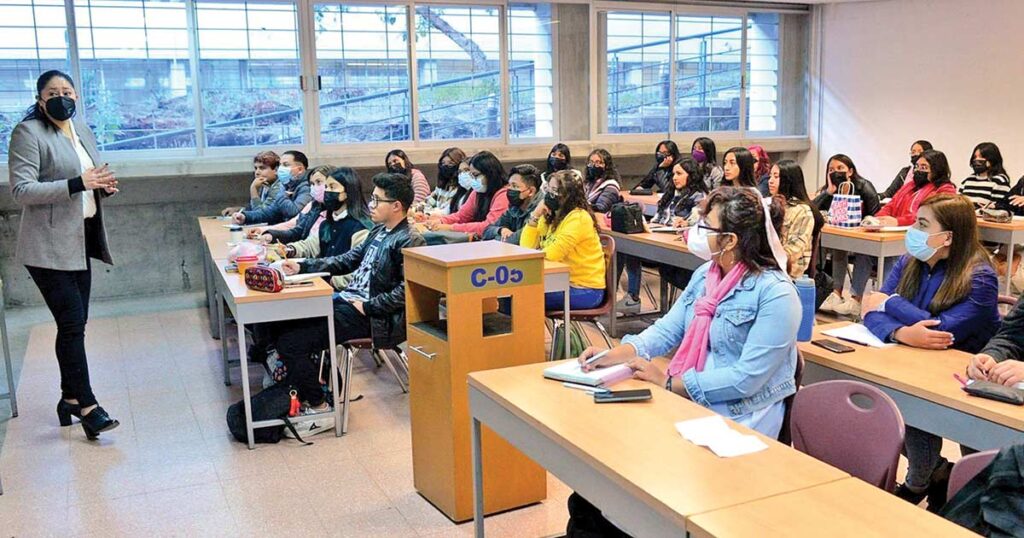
x=628 y=305
x=310 y=428
x=849 y=307
x=831 y=303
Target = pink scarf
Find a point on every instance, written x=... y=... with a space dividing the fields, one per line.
x=693 y=352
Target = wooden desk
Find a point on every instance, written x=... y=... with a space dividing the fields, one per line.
x=1009 y=234
x=213 y=245
x=844 y=508
x=921 y=382
x=880 y=245
x=649 y=202
x=628 y=459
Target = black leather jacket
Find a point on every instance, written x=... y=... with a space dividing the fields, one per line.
x=992 y=503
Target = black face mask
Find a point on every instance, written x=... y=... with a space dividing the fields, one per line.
x=514 y=197
x=594 y=172
x=332 y=201
x=397 y=169
x=552 y=202
x=447 y=171
x=660 y=157
x=979 y=166
x=920 y=179
x=60 y=108
x=557 y=164
x=837 y=178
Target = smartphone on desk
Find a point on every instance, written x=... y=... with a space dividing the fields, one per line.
x=834 y=347
x=623 y=396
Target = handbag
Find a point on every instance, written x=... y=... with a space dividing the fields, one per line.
x=996 y=215
x=264 y=278
x=627 y=218
x=845 y=210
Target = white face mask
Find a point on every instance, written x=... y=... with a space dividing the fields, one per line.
x=697 y=242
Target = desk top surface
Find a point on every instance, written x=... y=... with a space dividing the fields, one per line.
x=554 y=268
x=637 y=445
x=1015 y=225
x=924 y=373
x=241 y=294
x=860 y=233
x=472 y=253
x=845 y=508
x=664 y=240
x=646 y=199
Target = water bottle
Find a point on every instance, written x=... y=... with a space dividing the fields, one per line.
x=806 y=290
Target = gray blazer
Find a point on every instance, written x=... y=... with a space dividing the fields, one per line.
x=41 y=162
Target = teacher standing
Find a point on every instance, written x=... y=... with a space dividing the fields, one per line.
x=55 y=178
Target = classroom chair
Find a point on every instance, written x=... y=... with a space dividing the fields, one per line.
x=381 y=357
x=829 y=424
x=967 y=468
x=10 y=394
x=785 y=436
x=577 y=317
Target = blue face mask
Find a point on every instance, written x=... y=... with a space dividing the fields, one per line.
x=466 y=180
x=284 y=173
x=916 y=242
x=477 y=185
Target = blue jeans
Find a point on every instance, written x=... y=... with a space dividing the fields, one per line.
x=924 y=454
x=579 y=299
x=862 y=267
x=632 y=266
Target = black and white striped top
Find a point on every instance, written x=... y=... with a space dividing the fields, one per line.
x=983 y=191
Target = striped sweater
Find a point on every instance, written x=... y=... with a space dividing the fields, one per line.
x=983 y=191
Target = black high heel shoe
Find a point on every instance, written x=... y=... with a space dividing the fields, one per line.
x=67 y=410
x=97 y=422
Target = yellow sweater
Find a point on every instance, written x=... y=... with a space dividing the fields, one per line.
x=574 y=243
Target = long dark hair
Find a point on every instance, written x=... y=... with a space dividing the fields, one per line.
x=925 y=145
x=708 y=146
x=355 y=201
x=742 y=213
x=849 y=164
x=457 y=156
x=610 y=172
x=745 y=160
x=671 y=148
x=791 y=182
x=487 y=164
x=994 y=157
x=35 y=112
x=405 y=159
x=572 y=195
x=564 y=150
x=694 y=181
x=939 y=165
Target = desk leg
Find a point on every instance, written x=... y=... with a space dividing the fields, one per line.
x=211 y=293
x=346 y=395
x=1009 y=265
x=478 y=480
x=565 y=312
x=334 y=373
x=246 y=394
x=881 y=274
x=663 y=288
x=613 y=315
x=223 y=339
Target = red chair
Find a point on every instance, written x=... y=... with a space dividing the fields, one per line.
x=967 y=468
x=592 y=314
x=863 y=440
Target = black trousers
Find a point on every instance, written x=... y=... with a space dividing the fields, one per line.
x=67 y=296
x=587 y=521
x=298 y=340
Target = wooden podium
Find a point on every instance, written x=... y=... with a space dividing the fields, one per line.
x=442 y=352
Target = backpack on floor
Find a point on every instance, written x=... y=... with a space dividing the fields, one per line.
x=576 y=342
x=271 y=403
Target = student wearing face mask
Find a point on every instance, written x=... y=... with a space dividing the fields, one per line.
x=307 y=221
x=265 y=188
x=440 y=201
x=840 y=169
x=907 y=172
x=564 y=227
x=989 y=185
x=660 y=176
x=931 y=177
x=487 y=201
x=601 y=181
x=703 y=151
x=397 y=162
x=523 y=197
x=293 y=196
x=559 y=158
x=942 y=295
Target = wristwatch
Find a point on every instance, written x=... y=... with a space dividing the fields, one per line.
x=668 y=383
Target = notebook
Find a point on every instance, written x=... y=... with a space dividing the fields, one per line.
x=856 y=333
x=304 y=277
x=570 y=371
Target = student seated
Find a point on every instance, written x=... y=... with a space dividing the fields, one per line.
x=738 y=168
x=1016 y=274
x=942 y=295
x=802 y=218
x=523 y=197
x=293 y=196
x=989 y=184
x=265 y=188
x=601 y=183
x=660 y=176
x=762 y=168
x=307 y=221
x=397 y=162
x=734 y=325
x=487 y=201
x=1014 y=201
x=906 y=173
x=559 y=158
x=840 y=169
x=564 y=227
x=703 y=151
x=372 y=305
x=440 y=201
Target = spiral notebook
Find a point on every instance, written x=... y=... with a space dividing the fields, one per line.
x=570 y=371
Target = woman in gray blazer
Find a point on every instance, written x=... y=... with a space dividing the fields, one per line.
x=54 y=177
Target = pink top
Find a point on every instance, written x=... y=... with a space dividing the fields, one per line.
x=420 y=186
x=462 y=221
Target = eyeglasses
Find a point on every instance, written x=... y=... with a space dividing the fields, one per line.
x=703 y=225
x=374 y=201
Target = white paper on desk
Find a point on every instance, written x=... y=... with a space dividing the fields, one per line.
x=856 y=332
x=295 y=279
x=714 y=433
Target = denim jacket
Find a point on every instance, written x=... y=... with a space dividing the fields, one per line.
x=752 y=356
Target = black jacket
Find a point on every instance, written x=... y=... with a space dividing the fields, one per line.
x=659 y=177
x=1008 y=343
x=386 y=307
x=1017 y=190
x=897 y=182
x=861 y=186
x=302 y=226
x=336 y=235
x=992 y=503
x=514 y=219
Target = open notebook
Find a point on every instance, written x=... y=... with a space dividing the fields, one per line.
x=570 y=371
x=304 y=277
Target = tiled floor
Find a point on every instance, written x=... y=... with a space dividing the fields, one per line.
x=171 y=469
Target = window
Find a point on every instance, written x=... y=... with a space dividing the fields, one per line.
x=249 y=71
x=363 y=64
x=708 y=73
x=763 y=72
x=530 y=71
x=636 y=68
x=458 y=73
x=136 y=76
x=32 y=41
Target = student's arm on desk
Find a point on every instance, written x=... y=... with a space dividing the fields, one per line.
x=771 y=336
x=668 y=331
x=336 y=265
x=1008 y=343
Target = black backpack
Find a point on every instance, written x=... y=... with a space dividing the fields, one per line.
x=627 y=218
x=272 y=403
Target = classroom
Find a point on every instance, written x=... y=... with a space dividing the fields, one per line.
x=511 y=268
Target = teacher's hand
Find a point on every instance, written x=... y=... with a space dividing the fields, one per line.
x=99 y=178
